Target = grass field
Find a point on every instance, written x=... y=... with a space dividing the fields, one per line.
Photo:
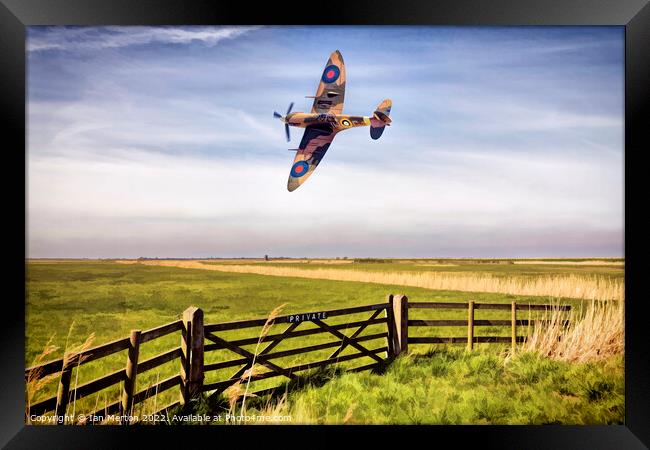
x=453 y=386
x=67 y=301
x=596 y=281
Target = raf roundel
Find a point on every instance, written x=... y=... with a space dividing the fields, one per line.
x=331 y=74
x=299 y=169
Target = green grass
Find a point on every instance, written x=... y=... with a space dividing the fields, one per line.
x=453 y=386
x=110 y=299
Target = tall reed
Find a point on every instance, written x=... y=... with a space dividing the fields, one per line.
x=265 y=331
x=236 y=391
x=35 y=383
x=76 y=351
x=595 y=335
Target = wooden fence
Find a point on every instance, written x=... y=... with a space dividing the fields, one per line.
x=197 y=339
x=127 y=375
x=471 y=323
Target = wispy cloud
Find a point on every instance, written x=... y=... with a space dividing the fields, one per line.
x=499 y=115
x=100 y=38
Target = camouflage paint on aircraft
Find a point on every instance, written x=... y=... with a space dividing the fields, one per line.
x=326 y=119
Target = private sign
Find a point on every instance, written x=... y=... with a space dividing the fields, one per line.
x=307 y=316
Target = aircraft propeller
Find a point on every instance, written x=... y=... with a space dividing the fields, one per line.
x=284 y=119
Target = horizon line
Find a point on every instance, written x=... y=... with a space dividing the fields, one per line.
x=319 y=257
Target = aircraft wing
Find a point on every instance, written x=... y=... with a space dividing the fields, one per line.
x=314 y=144
x=331 y=89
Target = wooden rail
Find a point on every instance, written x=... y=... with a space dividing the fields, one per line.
x=477 y=323
x=284 y=319
x=309 y=332
x=197 y=339
x=504 y=306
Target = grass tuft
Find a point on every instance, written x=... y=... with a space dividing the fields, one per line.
x=593 y=336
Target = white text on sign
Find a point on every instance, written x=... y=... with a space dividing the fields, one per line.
x=308 y=316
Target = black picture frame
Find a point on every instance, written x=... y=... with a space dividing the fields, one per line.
x=634 y=15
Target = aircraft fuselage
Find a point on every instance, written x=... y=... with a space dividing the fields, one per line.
x=337 y=121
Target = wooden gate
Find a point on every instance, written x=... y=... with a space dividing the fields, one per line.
x=298 y=325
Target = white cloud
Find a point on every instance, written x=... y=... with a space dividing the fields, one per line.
x=91 y=38
x=246 y=203
x=499 y=115
x=113 y=127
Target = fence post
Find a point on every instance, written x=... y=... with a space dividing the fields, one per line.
x=400 y=319
x=185 y=361
x=192 y=342
x=63 y=392
x=470 y=325
x=390 y=327
x=514 y=326
x=131 y=373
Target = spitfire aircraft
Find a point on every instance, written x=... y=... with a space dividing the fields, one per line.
x=325 y=120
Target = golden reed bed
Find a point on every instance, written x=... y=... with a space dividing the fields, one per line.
x=570 y=286
x=596 y=335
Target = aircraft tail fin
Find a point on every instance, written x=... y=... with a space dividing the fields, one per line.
x=380 y=119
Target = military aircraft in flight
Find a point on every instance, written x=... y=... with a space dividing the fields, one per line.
x=325 y=120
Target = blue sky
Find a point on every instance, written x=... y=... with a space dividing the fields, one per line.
x=506 y=142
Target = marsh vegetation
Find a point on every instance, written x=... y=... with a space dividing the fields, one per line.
x=72 y=303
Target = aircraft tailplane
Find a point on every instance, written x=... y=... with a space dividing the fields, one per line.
x=380 y=118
